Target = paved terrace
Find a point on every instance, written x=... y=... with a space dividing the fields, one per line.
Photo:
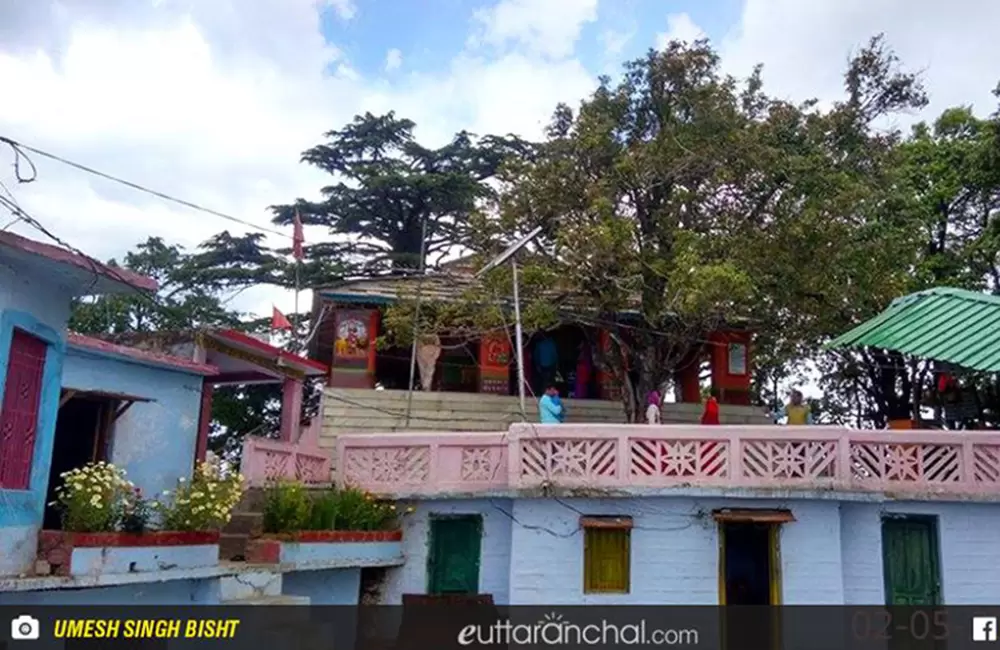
x=606 y=459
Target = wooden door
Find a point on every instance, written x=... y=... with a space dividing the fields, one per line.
x=453 y=560
x=22 y=398
x=910 y=562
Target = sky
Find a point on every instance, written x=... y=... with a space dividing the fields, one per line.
x=213 y=101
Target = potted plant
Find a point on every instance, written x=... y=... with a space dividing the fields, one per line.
x=107 y=523
x=327 y=527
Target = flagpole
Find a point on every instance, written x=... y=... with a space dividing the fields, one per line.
x=295 y=317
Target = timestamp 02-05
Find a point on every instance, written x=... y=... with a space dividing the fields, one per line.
x=910 y=623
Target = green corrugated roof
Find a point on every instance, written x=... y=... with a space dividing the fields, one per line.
x=952 y=325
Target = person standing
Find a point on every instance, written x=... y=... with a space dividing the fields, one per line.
x=550 y=407
x=797 y=411
x=653 y=407
x=711 y=413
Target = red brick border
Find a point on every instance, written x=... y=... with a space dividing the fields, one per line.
x=267 y=549
x=56 y=546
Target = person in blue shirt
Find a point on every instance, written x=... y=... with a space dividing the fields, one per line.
x=550 y=407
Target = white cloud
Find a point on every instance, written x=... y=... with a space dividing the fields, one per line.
x=805 y=46
x=345 y=9
x=614 y=41
x=549 y=28
x=214 y=103
x=393 y=59
x=680 y=27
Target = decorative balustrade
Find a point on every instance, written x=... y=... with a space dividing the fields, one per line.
x=639 y=456
x=266 y=460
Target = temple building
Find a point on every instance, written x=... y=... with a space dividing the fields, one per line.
x=474 y=384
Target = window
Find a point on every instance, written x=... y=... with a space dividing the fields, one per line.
x=22 y=397
x=607 y=549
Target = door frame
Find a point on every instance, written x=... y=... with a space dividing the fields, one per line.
x=774 y=559
x=431 y=551
x=932 y=522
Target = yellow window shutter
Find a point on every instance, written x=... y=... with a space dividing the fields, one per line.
x=607 y=551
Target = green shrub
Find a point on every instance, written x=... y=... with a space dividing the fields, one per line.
x=287 y=508
x=359 y=510
x=323 y=512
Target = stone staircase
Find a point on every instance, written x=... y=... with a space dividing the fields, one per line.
x=247 y=521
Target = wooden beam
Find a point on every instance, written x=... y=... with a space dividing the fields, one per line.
x=121 y=410
x=66 y=396
x=606 y=522
x=750 y=516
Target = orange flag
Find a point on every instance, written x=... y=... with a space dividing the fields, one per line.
x=279 y=321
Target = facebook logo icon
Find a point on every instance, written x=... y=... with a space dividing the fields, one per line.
x=984 y=628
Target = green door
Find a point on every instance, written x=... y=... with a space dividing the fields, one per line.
x=453 y=561
x=910 y=562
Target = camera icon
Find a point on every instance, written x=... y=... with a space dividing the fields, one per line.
x=24 y=628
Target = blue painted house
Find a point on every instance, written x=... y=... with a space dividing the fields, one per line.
x=700 y=515
x=67 y=400
x=37 y=283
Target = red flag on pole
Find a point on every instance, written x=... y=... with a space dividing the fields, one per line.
x=279 y=321
x=297 y=238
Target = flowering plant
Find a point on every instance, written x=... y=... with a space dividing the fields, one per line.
x=205 y=503
x=92 y=497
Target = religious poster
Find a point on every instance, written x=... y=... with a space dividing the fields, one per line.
x=494 y=364
x=351 y=347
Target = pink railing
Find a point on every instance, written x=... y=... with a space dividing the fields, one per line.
x=623 y=456
x=266 y=460
x=418 y=463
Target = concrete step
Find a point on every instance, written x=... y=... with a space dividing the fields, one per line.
x=245 y=523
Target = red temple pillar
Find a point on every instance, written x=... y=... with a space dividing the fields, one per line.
x=355 y=333
x=731 y=366
x=494 y=363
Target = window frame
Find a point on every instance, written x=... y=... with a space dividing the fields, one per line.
x=595 y=527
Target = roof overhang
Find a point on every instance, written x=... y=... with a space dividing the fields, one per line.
x=80 y=274
x=97 y=347
x=243 y=359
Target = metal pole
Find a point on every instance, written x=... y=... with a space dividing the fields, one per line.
x=517 y=338
x=295 y=323
x=416 y=321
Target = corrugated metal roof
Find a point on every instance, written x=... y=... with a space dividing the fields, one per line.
x=953 y=325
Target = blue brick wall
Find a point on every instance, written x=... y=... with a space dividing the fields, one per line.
x=174 y=592
x=494 y=573
x=153 y=441
x=831 y=554
x=41 y=307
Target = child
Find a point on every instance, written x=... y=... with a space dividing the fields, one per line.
x=653 y=407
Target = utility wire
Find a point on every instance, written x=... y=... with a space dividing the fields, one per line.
x=20 y=147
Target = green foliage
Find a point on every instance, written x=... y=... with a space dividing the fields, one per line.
x=323 y=513
x=287 y=508
x=359 y=510
x=290 y=507
x=136 y=513
x=388 y=186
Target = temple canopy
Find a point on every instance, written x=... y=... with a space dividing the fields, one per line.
x=942 y=324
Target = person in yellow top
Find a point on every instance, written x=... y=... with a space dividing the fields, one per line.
x=797 y=411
